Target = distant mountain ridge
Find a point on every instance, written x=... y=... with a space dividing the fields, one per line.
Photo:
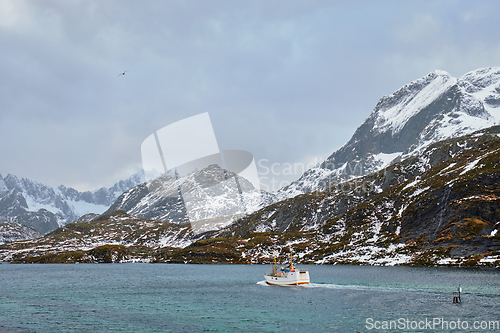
x=433 y=108
x=45 y=208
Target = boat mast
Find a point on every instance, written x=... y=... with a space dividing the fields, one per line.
x=291 y=260
x=275 y=266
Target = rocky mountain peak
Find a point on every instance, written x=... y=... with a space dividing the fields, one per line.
x=427 y=110
x=394 y=111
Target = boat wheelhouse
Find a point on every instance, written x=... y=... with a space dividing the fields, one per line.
x=287 y=275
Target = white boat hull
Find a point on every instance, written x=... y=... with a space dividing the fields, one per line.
x=295 y=277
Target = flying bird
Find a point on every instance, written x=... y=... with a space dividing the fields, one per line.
x=123 y=73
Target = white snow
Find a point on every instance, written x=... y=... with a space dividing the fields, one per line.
x=419 y=191
x=412 y=184
x=35 y=206
x=447 y=261
x=396 y=117
x=470 y=166
x=487 y=91
x=82 y=207
x=490 y=260
x=386 y=159
x=447 y=169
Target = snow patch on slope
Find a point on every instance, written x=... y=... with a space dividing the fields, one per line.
x=384 y=160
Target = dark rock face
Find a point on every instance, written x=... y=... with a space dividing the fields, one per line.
x=12 y=203
x=462 y=216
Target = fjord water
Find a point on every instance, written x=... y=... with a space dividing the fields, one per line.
x=234 y=298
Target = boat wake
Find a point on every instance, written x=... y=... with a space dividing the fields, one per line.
x=349 y=287
x=381 y=288
x=360 y=287
x=335 y=286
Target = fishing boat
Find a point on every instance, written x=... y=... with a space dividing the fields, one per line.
x=287 y=275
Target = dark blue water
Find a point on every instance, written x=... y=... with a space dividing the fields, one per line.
x=233 y=298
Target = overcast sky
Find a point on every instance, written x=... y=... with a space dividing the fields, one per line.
x=288 y=81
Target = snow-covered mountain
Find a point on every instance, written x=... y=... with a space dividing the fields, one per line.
x=209 y=199
x=433 y=108
x=45 y=208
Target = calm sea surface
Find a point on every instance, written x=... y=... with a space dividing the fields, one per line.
x=234 y=298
